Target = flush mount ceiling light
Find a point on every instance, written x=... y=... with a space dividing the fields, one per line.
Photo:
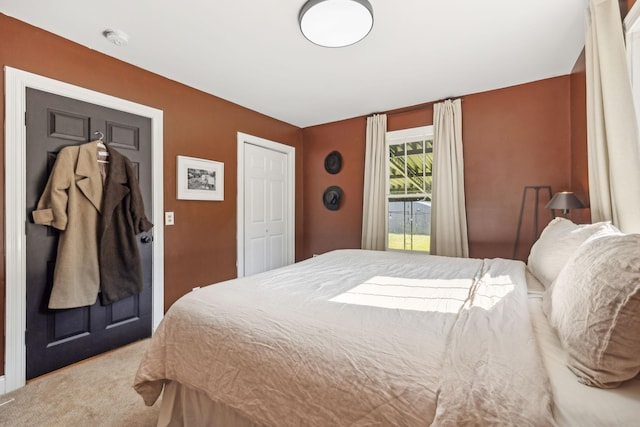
x=336 y=23
x=117 y=37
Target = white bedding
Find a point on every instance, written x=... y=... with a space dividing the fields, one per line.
x=576 y=404
x=394 y=339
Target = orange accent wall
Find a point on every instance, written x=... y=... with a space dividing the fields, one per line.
x=201 y=247
x=326 y=230
x=512 y=137
x=579 y=161
x=630 y=4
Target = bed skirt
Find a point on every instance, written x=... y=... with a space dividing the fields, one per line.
x=183 y=406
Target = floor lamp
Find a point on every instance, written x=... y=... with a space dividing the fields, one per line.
x=536 y=189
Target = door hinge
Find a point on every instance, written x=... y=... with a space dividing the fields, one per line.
x=25 y=119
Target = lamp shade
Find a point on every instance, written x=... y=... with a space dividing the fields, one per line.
x=336 y=23
x=564 y=200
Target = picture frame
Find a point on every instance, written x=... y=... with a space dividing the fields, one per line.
x=199 y=179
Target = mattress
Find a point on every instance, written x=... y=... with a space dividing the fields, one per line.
x=354 y=338
x=576 y=404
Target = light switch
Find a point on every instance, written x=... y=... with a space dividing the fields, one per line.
x=168 y=218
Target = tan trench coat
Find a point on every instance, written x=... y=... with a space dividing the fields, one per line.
x=75 y=202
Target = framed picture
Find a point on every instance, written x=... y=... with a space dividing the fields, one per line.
x=200 y=179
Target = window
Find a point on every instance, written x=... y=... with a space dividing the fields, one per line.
x=409 y=160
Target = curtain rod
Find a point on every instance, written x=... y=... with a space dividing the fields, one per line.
x=416 y=107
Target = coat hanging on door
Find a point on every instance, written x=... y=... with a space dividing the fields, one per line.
x=97 y=250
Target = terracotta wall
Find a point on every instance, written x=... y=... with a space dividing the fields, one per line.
x=579 y=162
x=513 y=137
x=629 y=5
x=201 y=247
x=327 y=229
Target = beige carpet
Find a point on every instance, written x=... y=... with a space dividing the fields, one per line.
x=96 y=392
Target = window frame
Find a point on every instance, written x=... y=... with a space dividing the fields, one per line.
x=396 y=137
x=632 y=38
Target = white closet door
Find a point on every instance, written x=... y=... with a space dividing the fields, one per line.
x=265 y=239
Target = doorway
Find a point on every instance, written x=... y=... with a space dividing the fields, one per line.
x=266 y=204
x=16 y=83
x=60 y=337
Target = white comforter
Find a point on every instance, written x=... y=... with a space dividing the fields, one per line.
x=360 y=338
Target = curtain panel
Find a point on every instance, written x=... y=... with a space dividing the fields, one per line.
x=373 y=209
x=612 y=130
x=448 y=209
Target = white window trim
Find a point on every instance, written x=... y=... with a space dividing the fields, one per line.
x=408 y=135
x=392 y=138
x=632 y=39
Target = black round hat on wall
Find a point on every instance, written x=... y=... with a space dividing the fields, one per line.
x=333 y=162
x=331 y=198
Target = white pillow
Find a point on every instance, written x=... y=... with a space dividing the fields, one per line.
x=557 y=242
x=594 y=304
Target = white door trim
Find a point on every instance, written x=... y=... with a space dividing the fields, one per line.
x=290 y=152
x=16 y=83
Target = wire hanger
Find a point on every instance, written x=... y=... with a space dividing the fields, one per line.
x=102 y=148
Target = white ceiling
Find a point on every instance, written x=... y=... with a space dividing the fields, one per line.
x=252 y=53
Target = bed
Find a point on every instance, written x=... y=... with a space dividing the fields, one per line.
x=360 y=338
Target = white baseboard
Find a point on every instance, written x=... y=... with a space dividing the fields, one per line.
x=3 y=388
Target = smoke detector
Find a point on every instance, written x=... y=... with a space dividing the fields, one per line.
x=117 y=37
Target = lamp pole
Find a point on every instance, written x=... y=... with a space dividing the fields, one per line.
x=537 y=189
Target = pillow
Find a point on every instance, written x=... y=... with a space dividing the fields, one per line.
x=557 y=242
x=594 y=305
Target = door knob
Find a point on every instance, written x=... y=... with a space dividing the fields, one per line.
x=146 y=239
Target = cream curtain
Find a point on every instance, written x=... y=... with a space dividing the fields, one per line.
x=448 y=210
x=612 y=130
x=373 y=209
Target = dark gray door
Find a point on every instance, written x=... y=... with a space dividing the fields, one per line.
x=57 y=338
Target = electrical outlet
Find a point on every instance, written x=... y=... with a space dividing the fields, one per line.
x=168 y=218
